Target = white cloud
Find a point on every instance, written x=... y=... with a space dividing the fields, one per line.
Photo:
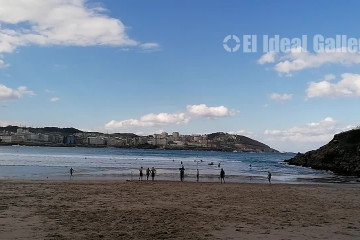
x=280 y=97
x=49 y=91
x=268 y=57
x=316 y=132
x=148 y=46
x=161 y=119
x=348 y=86
x=165 y=118
x=59 y=22
x=298 y=59
x=212 y=112
x=329 y=77
x=54 y=99
x=304 y=137
x=243 y=133
x=11 y=94
x=3 y=64
x=150 y=120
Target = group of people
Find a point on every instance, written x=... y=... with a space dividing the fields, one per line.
x=149 y=172
x=182 y=174
x=152 y=172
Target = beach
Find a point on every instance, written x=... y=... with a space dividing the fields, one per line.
x=177 y=210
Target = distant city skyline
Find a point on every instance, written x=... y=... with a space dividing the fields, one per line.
x=147 y=67
x=57 y=137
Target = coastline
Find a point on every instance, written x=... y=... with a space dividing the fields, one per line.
x=177 y=210
x=144 y=147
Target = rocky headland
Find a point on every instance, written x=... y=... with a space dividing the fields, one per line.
x=341 y=155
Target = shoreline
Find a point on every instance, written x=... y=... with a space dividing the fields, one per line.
x=177 y=210
x=170 y=181
x=58 y=173
x=213 y=179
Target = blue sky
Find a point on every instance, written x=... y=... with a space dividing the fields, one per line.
x=150 y=66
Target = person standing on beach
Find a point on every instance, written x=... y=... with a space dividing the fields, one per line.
x=147 y=173
x=222 y=175
x=153 y=171
x=269 y=176
x=141 y=173
x=182 y=173
x=71 y=172
x=197 y=175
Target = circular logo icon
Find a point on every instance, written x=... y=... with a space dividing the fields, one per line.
x=237 y=43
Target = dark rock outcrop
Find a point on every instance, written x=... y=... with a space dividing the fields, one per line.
x=341 y=155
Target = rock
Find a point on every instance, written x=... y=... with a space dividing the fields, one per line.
x=341 y=155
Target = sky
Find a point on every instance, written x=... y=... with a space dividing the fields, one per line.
x=152 y=66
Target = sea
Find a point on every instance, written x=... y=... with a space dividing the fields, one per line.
x=54 y=163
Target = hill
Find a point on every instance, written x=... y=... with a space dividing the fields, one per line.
x=239 y=142
x=341 y=155
x=64 y=131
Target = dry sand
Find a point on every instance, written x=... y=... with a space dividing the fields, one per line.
x=175 y=210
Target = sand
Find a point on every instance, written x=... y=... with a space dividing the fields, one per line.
x=175 y=210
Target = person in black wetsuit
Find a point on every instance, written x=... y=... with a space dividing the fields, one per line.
x=222 y=175
x=153 y=171
x=141 y=173
x=147 y=173
x=269 y=176
x=182 y=173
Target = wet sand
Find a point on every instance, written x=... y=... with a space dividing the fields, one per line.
x=175 y=210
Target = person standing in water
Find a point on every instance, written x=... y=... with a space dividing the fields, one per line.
x=141 y=173
x=182 y=173
x=269 y=176
x=147 y=173
x=71 y=172
x=222 y=175
x=197 y=175
x=153 y=171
